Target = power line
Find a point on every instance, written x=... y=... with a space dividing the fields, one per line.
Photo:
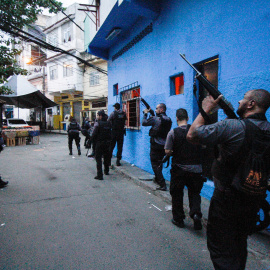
x=65 y=14
x=46 y=45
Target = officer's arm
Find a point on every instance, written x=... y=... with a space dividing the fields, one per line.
x=169 y=143
x=168 y=152
x=208 y=105
x=148 y=122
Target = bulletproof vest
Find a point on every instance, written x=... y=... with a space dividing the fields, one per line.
x=163 y=129
x=104 y=131
x=85 y=125
x=74 y=126
x=185 y=153
x=119 y=120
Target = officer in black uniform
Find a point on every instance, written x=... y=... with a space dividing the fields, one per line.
x=85 y=127
x=117 y=119
x=186 y=171
x=2 y=183
x=102 y=136
x=73 y=133
x=232 y=212
x=161 y=125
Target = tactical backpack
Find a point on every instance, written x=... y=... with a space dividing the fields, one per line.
x=252 y=173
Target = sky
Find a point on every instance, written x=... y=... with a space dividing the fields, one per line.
x=67 y=3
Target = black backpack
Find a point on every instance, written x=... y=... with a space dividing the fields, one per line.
x=252 y=173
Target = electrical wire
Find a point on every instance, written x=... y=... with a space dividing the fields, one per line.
x=65 y=14
x=42 y=43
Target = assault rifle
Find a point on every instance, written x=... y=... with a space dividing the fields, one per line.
x=213 y=91
x=147 y=106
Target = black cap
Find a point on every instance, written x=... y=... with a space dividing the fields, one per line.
x=117 y=106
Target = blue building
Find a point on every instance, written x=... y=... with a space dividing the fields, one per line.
x=228 y=41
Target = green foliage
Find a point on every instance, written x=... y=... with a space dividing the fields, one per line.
x=18 y=13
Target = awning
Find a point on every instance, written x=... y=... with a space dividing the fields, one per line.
x=124 y=16
x=29 y=101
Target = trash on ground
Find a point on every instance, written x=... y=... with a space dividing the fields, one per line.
x=168 y=208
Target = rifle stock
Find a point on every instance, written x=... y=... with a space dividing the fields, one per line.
x=214 y=92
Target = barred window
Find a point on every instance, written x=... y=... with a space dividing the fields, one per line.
x=131 y=105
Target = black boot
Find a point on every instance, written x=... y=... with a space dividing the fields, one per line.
x=70 y=152
x=197 y=222
x=118 y=162
x=92 y=154
x=3 y=183
x=79 y=151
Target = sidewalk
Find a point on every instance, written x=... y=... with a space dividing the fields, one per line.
x=258 y=244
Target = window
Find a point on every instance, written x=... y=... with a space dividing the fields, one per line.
x=177 y=84
x=131 y=105
x=115 y=89
x=99 y=104
x=67 y=70
x=94 y=78
x=67 y=35
x=53 y=72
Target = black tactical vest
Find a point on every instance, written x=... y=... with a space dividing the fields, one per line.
x=163 y=129
x=74 y=127
x=119 y=120
x=104 y=131
x=185 y=153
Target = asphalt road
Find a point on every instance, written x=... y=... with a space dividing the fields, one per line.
x=54 y=215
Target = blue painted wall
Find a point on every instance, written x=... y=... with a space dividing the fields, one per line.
x=237 y=31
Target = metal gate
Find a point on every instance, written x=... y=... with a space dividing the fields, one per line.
x=77 y=107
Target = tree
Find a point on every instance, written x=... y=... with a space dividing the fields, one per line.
x=18 y=13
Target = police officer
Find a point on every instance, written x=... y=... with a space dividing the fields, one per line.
x=161 y=125
x=186 y=171
x=73 y=133
x=232 y=213
x=2 y=183
x=85 y=127
x=102 y=136
x=117 y=119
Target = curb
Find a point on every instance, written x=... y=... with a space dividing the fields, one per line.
x=258 y=243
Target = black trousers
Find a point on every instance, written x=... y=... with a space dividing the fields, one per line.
x=157 y=153
x=117 y=137
x=71 y=137
x=231 y=219
x=194 y=183
x=102 y=151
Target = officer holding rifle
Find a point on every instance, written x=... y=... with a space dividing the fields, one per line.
x=160 y=126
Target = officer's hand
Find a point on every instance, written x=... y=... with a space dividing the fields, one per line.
x=210 y=105
x=145 y=111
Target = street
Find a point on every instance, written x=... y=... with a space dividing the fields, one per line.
x=55 y=215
